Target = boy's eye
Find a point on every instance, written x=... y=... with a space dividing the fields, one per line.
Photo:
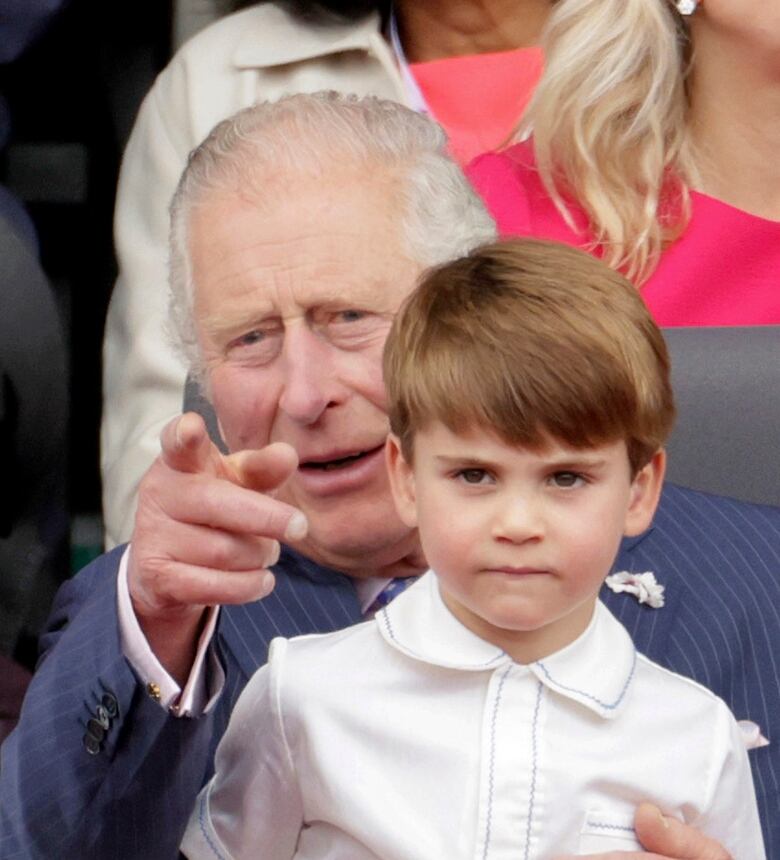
x=473 y=476
x=566 y=480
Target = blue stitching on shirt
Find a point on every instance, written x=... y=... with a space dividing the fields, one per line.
x=493 y=760
x=605 y=705
x=600 y=826
x=386 y=619
x=391 y=634
x=534 y=764
x=202 y=823
x=492 y=659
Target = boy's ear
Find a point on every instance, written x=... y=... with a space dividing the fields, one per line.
x=401 y=482
x=645 y=493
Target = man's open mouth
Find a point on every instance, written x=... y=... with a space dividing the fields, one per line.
x=340 y=462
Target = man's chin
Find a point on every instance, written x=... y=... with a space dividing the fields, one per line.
x=360 y=548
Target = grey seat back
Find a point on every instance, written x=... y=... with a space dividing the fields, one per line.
x=727 y=436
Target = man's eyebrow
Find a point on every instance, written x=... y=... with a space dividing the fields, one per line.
x=221 y=323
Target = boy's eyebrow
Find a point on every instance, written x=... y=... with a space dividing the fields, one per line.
x=575 y=460
x=563 y=461
x=456 y=459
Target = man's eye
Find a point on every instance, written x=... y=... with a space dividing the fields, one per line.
x=251 y=337
x=473 y=476
x=257 y=346
x=350 y=315
x=566 y=480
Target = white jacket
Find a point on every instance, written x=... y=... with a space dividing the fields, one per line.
x=260 y=53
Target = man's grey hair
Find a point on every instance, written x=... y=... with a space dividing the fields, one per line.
x=312 y=134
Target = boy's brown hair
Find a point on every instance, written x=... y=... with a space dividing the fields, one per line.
x=532 y=340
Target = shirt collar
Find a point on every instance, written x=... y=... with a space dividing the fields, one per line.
x=596 y=670
x=276 y=38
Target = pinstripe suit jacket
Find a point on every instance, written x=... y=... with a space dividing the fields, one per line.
x=719 y=561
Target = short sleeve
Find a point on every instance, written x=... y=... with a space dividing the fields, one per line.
x=731 y=811
x=252 y=805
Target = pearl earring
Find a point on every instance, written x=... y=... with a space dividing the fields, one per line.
x=686 y=7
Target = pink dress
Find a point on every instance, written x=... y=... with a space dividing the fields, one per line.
x=724 y=270
x=479 y=98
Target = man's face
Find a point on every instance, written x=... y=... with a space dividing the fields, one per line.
x=292 y=305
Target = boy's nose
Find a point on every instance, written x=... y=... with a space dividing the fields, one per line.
x=519 y=520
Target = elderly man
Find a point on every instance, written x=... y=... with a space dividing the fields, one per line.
x=297 y=230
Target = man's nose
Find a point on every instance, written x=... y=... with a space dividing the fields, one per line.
x=519 y=517
x=310 y=383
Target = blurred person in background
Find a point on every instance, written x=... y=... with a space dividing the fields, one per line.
x=654 y=138
x=33 y=408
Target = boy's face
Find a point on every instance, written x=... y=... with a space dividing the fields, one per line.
x=521 y=540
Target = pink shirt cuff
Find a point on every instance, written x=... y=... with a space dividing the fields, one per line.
x=206 y=680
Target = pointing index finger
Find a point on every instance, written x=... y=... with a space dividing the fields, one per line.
x=263 y=470
x=185 y=443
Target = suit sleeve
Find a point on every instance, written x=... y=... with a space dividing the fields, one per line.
x=96 y=768
x=252 y=807
x=731 y=812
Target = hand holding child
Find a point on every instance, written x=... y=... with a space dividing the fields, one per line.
x=666 y=838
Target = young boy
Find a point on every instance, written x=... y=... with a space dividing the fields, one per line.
x=496 y=708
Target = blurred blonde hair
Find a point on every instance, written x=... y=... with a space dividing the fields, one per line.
x=609 y=123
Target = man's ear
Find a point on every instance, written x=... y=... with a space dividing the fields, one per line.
x=645 y=493
x=401 y=482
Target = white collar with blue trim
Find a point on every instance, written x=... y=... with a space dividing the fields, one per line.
x=595 y=670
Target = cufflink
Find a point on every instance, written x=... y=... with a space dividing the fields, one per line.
x=153 y=690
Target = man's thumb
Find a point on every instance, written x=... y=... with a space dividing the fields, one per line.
x=666 y=836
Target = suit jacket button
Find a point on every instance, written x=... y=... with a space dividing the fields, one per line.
x=91 y=744
x=111 y=705
x=96 y=730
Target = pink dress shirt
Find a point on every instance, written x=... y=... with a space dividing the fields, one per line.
x=724 y=270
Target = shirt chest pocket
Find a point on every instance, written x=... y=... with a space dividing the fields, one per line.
x=604 y=831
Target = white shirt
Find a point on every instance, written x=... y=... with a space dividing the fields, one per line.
x=408 y=738
x=199 y=695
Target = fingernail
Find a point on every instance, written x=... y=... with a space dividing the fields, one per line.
x=297 y=526
x=664 y=820
x=274 y=557
x=266 y=586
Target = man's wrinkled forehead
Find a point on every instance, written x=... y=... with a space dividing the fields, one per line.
x=322 y=243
